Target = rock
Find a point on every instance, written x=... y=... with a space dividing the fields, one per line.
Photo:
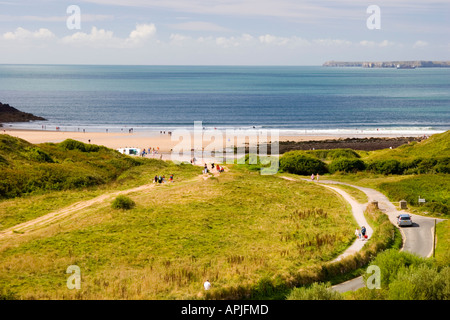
x=11 y=114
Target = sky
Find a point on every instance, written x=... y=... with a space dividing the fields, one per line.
x=222 y=32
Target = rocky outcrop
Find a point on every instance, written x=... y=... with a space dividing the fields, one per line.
x=389 y=64
x=11 y=114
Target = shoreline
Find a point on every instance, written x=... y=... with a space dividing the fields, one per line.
x=166 y=142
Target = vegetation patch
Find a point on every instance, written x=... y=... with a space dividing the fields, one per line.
x=123 y=202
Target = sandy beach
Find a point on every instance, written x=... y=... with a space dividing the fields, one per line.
x=164 y=142
x=167 y=143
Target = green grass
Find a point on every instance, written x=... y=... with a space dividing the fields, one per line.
x=19 y=210
x=235 y=230
x=442 y=253
x=357 y=194
x=436 y=146
x=39 y=179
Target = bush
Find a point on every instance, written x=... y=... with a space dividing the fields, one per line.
x=123 y=202
x=35 y=154
x=346 y=165
x=391 y=262
x=385 y=167
x=70 y=144
x=297 y=163
x=317 y=291
x=421 y=283
x=343 y=153
x=437 y=208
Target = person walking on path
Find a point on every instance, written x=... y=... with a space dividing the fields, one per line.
x=363 y=232
x=312 y=177
x=317 y=177
x=358 y=233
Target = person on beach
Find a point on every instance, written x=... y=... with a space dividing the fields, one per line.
x=312 y=177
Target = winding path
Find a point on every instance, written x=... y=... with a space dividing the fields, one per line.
x=417 y=239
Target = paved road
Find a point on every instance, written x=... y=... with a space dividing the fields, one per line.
x=417 y=239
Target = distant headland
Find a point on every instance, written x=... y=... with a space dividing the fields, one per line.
x=11 y=114
x=390 y=64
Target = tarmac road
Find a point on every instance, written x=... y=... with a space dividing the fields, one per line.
x=417 y=239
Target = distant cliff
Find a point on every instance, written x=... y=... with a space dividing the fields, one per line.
x=10 y=114
x=389 y=64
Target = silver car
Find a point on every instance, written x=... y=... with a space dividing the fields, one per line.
x=404 y=220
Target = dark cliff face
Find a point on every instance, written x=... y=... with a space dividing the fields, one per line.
x=11 y=114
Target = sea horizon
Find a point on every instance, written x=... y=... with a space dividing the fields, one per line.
x=295 y=100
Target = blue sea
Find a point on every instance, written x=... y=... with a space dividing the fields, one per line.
x=292 y=99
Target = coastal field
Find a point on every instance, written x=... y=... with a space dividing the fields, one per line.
x=252 y=236
x=236 y=229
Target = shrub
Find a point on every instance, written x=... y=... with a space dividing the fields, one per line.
x=317 y=291
x=346 y=165
x=436 y=207
x=391 y=262
x=296 y=163
x=385 y=167
x=343 y=153
x=35 y=154
x=71 y=144
x=123 y=202
x=421 y=283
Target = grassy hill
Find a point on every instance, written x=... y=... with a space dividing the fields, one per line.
x=438 y=145
x=240 y=230
x=50 y=176
x=27 y=168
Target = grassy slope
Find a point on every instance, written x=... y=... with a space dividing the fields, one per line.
x=234 y=230
x=48 y=177
x=437 y=145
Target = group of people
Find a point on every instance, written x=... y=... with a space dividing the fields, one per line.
x=217 y=167
x=312 y=177
x=149 y=151
x=162 y=179
x=361 y=234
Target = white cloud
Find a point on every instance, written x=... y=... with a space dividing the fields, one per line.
x=142 y=32
x=269 y=39
x=24 y=34
x=332 y=42
x=386 y=43
x=382 y=44
x=102 y=37
x=420 y=44
x=96 y=36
